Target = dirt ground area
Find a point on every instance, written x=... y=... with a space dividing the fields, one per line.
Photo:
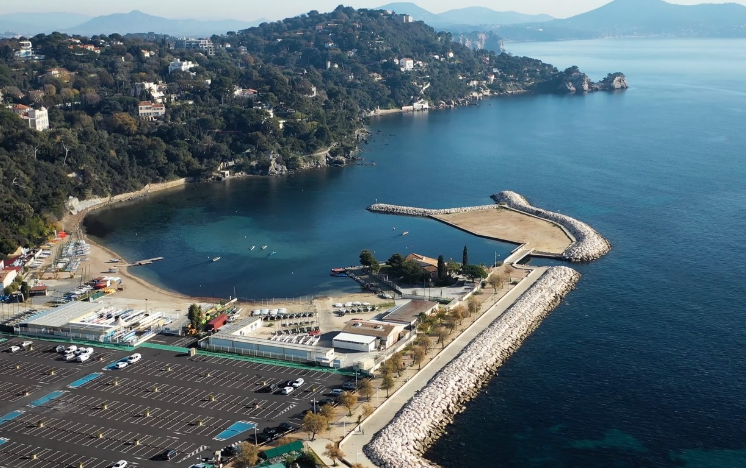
x=510 y=226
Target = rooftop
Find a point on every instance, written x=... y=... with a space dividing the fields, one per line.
x=369 y=328
x=355 y=338
x=64 y=314
x=409 y=312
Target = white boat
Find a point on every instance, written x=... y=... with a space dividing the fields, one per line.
x=264 y=247
x=216 y=259
x=405 y=233
x=252 y=247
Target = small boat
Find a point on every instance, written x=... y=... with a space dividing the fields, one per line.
x=273 y=252
x=252 y=247
x=338 y=272
x=264 y=247
x=216 y=259
x=405 y=233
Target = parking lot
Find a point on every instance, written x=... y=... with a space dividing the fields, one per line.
x=166 y=401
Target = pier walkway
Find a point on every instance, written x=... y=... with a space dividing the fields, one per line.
x=353 y=444
x=519 y=254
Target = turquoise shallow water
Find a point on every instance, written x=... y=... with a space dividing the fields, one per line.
x=643 y=365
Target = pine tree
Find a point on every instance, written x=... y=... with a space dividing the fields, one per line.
x=441 y=268
x=466 y=257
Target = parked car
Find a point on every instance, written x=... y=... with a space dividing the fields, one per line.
x=274 y=387
x=71 y=349
x=287 y=390
x=350 y=385
x=70 y=357
x=229 y=451
x=336 y=391
x=327 y=401
x=60 y=348
x=297 y=382
x=84 y=357
x=120 y=365
x=119 y=464
x=286 y=426
x=26 y=344
x=271 y=431
x=169 y=454
x=134 y=358
x=15 y=349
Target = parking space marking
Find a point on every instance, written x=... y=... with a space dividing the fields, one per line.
x=17 y=455
x=49 y=353
x=10 y=392
x=40 y=373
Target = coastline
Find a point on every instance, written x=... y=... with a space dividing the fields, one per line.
x=421 y=420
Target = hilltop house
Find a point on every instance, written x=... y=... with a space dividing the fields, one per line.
x=178 y=65
x=150 y=110
x=37 y=119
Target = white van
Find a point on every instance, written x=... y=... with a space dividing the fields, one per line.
x=134 y=358
x=84 y=357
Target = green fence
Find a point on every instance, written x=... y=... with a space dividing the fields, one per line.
x=99 y=344
x=275 y=362
x=176 y=349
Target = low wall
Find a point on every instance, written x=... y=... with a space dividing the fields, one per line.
x=421 y=421
x=589 y=244
x=424 y=212
x=76 y=206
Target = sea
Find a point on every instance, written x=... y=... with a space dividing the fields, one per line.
x=644 y=364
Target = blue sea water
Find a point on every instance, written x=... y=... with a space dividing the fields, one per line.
x=644 y=365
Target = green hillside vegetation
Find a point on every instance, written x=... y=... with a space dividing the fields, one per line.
x=98 y=146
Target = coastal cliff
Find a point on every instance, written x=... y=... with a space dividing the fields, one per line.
x=403 y=441
x=573 y=81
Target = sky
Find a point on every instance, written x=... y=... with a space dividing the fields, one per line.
x=250 y=10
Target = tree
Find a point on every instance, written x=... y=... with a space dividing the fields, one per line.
x=367 y=258
x=348 y=400
x=395 y=262
x=442 y=271
x=423 y=341
x=411 y=271
x=396 y=360
x=196 y=316
x=418 y=355
x=334 y=452
x=441 y=333
x=365 y=389
x=453 y=268
x=387 y=383
x=458 y=313
x=473 y=305
x=327 y=411
x=474 y=271
x=465 y=258
x=314 y=424
x=367 y=410
x=495 y=281
x=248 y=455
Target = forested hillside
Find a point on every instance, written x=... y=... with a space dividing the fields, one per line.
x=279 y=97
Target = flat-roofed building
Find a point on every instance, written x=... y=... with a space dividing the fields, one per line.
x=355 y=342
x=387 y=334
x=151 y=110
x=408 y=313
x=237 y=338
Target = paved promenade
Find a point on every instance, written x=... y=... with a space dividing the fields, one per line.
x=353 y=444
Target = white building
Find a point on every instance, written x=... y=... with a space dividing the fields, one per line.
x=150 y=110
x=205 y=45
x=178 y=65
x=7 y=277
x=406 y=19
x=246 y=93
x=155 y=90
x=354 y=342
x=406 y=64
x=38 y=119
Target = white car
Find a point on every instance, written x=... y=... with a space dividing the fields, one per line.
x=119 y=464
x=84 y=357
x=297 y=382
x=134 y=358
x=71 y=349
x=70 y=357
x=26 y=344
x=120 y=365
x=60 y=348
x=88 y=351
x=337 y=392
x=287 y=390
x=15 y=349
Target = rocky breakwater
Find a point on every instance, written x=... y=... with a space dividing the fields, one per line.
x=424 y=212
x=589 y=244
x=403 y=441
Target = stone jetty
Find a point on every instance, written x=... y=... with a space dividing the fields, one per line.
x=403 y=441
x=424 y=212
x=589 y=244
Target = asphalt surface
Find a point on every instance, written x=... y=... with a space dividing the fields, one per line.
x=166 y=401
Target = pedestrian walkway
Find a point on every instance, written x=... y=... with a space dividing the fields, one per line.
x=353 y=444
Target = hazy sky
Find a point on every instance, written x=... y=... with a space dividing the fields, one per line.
x=278 y=9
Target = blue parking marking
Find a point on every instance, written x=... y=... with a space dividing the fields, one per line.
x=10 y=416
x=3 y=440
x=235 y=429
x=84 y=380
x=47 y=398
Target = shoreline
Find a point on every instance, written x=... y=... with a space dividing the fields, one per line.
x=422 y=419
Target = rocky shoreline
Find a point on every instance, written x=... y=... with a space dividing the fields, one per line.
x=589 y=245
x=422 y=420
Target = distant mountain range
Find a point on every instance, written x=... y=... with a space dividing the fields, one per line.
x=470 y=16
x=123 y=23
x=619 y=18
x=625 y=18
